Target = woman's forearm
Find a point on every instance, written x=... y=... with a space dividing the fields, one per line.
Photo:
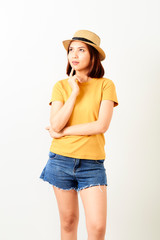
x=59 y=121
x=91 y=128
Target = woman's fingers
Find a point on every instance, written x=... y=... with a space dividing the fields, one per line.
x=79 y=80
x=47 y=128
x=75 y=76
x=71 y=73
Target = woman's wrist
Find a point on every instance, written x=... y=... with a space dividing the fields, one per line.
x=75 y=93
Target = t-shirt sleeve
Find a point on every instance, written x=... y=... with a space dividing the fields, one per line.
x=56 y=93
x=109 y=92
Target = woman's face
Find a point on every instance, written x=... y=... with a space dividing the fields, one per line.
x=78 y=52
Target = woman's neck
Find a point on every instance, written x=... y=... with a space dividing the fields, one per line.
x=83 y=76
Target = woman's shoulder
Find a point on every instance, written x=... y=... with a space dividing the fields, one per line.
x=105 y=80
x=61 y=82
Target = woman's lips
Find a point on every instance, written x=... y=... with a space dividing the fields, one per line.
x=75 y=63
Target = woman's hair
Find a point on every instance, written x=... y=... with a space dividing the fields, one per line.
x=96 y=69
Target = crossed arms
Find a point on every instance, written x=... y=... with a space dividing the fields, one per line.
x=60 y=115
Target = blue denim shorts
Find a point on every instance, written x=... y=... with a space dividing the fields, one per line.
x=73 y=173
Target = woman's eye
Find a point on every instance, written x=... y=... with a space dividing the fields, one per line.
x=80 y=49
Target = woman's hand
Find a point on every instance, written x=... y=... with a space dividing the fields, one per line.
x=54 y=134
x=73 y=81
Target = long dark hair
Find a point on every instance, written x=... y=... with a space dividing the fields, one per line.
x=96 y=69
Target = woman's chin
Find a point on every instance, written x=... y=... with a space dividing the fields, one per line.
x=75 y=66
x=78 y=68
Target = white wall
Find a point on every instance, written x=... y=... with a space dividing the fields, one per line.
x=32 y=59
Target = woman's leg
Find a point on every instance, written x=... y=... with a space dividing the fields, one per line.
x=67 y=201
x=94 y=200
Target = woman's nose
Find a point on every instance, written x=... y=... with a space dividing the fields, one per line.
x=74 y=54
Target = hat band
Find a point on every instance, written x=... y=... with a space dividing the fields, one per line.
x=83 y=39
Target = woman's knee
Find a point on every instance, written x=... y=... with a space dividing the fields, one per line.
x=69 y=222
x=96 y=229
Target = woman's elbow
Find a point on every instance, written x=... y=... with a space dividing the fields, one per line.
x=55 y=127
x=104 y=129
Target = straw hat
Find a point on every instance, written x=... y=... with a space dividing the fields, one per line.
x=89 y=38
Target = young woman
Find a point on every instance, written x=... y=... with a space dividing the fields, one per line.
x=81 y=112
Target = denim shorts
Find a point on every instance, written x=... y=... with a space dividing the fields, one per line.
x=73 y=173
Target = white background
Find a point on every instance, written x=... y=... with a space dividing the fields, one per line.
x=32 y=60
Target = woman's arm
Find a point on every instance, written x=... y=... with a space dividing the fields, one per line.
x=60 y=119
x=99 y=126
x=90 y=128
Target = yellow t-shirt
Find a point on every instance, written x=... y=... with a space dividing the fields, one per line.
x=85 y=110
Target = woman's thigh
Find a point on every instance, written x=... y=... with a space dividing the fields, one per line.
x=94 y=200
x=67 y=201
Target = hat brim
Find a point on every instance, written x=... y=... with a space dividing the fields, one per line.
x=101 y=52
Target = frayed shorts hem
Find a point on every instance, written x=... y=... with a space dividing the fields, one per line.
x=92 y=185
x=76 y=189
